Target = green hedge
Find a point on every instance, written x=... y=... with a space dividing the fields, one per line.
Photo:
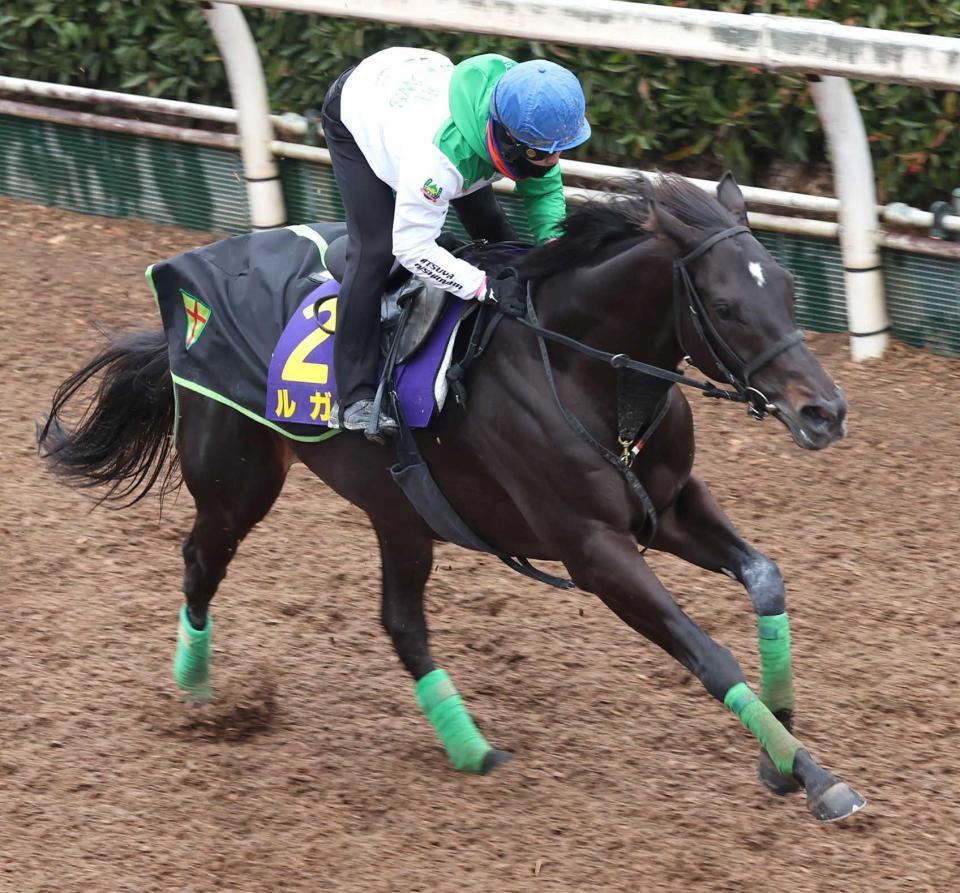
x=646 y=111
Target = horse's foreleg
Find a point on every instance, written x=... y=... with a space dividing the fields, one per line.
x=608 y=564
x=235 y=469
x=697 y=530
x=407 y=557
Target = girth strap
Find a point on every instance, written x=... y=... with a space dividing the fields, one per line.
x=412 y=475
x=485 y=324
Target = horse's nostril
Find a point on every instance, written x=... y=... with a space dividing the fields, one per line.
x=825 y=415
x=819 y=415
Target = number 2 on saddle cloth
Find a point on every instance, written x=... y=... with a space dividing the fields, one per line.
x=301 y=385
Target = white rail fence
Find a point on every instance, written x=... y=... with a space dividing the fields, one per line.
x=772 y=42
x=297 y=126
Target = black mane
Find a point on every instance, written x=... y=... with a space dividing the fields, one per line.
x=597 y=223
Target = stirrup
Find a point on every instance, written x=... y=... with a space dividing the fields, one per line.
x=333 y=422
x=374 y=430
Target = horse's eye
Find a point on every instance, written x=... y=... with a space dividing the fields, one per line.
x=724 y=311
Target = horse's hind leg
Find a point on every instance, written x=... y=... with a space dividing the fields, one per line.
x=235 y=469
x=697 y=530
x=407 y=555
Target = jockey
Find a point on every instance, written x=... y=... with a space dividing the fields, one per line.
x=409 y=135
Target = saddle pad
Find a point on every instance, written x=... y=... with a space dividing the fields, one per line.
x=239 y=311
x=301 y=386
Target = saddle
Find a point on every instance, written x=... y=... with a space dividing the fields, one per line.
x=426 y=301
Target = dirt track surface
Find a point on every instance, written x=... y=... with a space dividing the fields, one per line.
x=314 y=770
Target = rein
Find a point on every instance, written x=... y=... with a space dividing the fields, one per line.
x=622 y=361
x=683 y=285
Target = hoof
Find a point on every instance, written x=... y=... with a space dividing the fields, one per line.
x=837 y=802
x=493 y=759
x=773 y=779
x=196 y=694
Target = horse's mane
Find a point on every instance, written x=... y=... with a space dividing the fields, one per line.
x=599 y=222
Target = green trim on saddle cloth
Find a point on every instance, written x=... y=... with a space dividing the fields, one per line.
x=301 y=229
x=176 y=415
x=769 y=731
x=148 y=275
x=213 y=395
x=776 y=690
x=191 y=663
x=438 y=698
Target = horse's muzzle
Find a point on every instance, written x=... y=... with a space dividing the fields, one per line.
x=817 y=422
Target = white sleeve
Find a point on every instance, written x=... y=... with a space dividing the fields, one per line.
x=424 y=188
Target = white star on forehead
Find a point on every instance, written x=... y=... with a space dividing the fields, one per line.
x=757 y=272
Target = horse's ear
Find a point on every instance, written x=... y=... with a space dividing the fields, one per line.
x=660 y=222
x=730 y=196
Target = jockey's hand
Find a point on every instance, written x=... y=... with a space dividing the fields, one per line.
x=505 y=292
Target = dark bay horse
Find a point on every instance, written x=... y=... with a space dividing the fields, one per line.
x=661 y=271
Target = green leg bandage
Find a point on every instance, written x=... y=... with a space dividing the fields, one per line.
x=771 y=734
x=191 y=664
x=776 y=689
x=438 y=698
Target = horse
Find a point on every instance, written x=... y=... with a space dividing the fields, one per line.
x=535 y=464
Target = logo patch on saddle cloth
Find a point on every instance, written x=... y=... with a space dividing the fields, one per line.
x=301 y=386
x=198 y=315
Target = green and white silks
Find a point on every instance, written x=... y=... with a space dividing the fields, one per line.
x=421 y=124
x=776 y=671
x=191 y=663
x=438 y=698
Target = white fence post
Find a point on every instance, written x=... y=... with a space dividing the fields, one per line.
x=249 y=90
x=854 y=184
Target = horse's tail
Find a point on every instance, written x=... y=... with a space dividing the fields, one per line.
x=123 y=439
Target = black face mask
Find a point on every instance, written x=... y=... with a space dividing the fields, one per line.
x=514 y=156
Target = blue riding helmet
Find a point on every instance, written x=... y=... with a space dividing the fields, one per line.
x=541 y=105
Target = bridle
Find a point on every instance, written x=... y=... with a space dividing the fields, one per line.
x=686 y=299
x=735 y=369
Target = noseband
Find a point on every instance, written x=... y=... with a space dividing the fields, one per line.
x=687 y=299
